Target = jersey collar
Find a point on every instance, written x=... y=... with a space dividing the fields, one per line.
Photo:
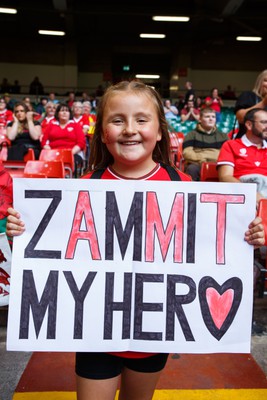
x=248 y=143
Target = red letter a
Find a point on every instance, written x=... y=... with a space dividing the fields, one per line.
x=83 y=210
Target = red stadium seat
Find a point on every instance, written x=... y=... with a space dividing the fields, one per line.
x=44 y=169
x=64 y=155
x=16 y=168
x=176 y=149
x=208 y=172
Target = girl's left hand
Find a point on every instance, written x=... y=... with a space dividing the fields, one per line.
x=255 y=234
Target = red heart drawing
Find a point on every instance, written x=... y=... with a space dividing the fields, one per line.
x=219 y=305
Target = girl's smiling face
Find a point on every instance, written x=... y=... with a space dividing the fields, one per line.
x=131 y=131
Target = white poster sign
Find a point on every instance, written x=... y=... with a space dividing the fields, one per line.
x=132 y=265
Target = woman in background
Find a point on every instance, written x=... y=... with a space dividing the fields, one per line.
x=215 y=102
x=24 y=133
x=64 y=133
x=255 y=98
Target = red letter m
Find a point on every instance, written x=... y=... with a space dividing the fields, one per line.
x=174 y=227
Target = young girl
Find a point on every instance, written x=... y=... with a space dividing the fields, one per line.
x=131 y=141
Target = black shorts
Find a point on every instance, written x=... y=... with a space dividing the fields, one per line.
x=106 y=366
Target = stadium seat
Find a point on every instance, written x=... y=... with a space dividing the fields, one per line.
x=64 y=155
x=44 y=169
x=16 y=168
x=29 y=156
x=208 y=172
x=176 y=148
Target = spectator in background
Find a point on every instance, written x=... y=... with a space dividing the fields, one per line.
x=36 y=87
x=24 y=133
x=88 y=117
x=50 y=110
x=189 y=112
x=15 y=88
x=215 y=102
x=71 y=99
x=41 y=107
x=5 y=86
x=85 y=97
x=5 y=114
x=10 y=102
x=64 y=133
x=229 y=93
x=77 y=112
x=27 y=100
x=199 y=103
x=52 y=97
x=256 y=98
x=170 y=110
x=203 y=143
x=189 y=91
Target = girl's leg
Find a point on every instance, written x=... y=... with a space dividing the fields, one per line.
x=96 y=389
x=138 y=385
x=97 y=376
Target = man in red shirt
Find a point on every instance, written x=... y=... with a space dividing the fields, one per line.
x=248 y=155
x=245 y=160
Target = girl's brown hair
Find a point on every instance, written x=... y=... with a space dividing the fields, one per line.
x=100 y=157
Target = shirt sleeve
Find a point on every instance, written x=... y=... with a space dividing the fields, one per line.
x=226 y=155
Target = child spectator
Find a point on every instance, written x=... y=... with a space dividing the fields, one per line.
x=131 y=141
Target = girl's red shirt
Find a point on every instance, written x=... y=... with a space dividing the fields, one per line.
x=157 y=174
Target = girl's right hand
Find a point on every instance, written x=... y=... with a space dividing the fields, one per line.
x=14 y=226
